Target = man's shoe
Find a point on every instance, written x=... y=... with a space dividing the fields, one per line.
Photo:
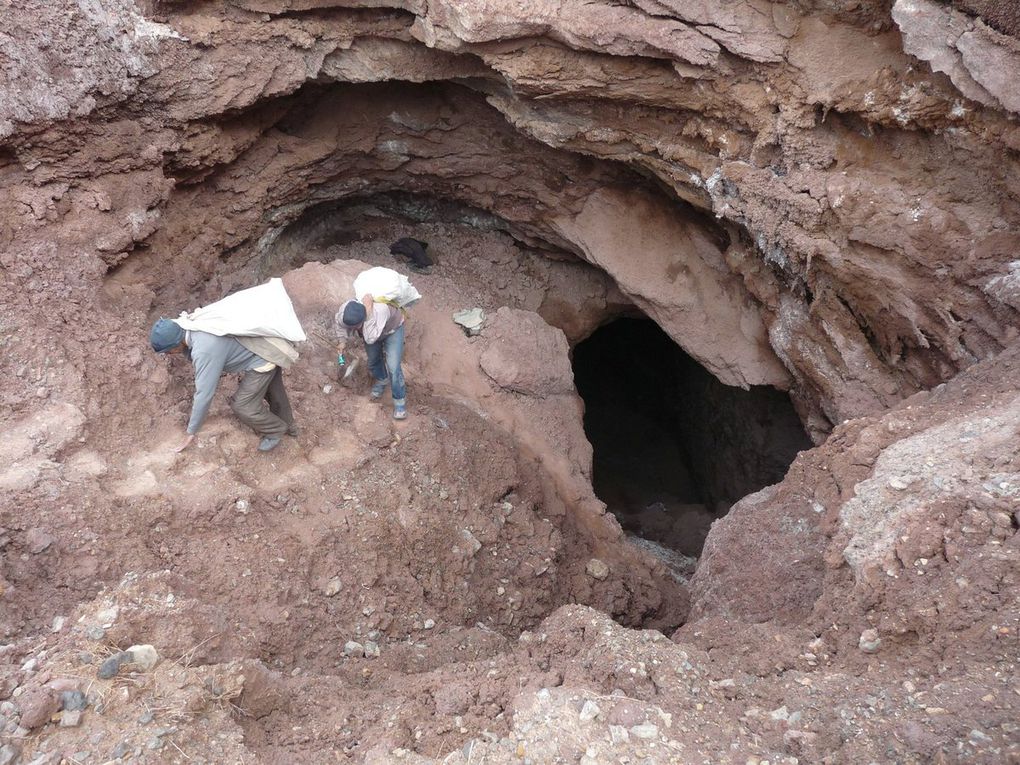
x=377 y=390
x=293 y=429
x=268 y=443
x=399 y=412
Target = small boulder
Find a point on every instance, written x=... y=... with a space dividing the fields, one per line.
x=38 y=705
x=144 y=657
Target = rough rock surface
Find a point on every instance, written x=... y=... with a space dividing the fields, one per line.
x=525 y=355
x=818 y=196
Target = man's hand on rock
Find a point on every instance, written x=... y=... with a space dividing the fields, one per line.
x=185 y=443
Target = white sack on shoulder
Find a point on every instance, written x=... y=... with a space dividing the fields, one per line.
x=386 y=283
x=263 y=311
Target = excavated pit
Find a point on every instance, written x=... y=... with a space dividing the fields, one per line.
x=673 y=447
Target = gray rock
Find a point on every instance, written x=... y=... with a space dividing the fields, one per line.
x=38 y=541
x=471 y=541
x=371 y=649
x=9 y=754
x=111 y=666
x=72 y=700
x=70 y=718
x=470 y=319
x=95 y=632
x=120 y=750
x=353 y=648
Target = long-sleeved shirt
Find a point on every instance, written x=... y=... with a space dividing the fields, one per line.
x=212 y=356
x=384 y=320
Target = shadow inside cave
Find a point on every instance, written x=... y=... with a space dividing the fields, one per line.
x=674 y=448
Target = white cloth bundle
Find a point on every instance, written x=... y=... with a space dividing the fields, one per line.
x=263 y=311
x=385 y=284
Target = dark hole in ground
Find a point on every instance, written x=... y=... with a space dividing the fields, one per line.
x=674 y=448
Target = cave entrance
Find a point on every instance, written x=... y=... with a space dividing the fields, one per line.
x=674 y=448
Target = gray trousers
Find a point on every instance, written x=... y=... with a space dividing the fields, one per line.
x=247 y=403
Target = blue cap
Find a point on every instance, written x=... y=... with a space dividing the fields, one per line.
x=354 y=313
x=165 y=334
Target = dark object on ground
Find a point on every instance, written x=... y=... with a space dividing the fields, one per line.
x=111 y=666
x=73 y=700
x=268 y=443
x=414 y=251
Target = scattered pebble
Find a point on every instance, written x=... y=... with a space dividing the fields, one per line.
x=589 y=711
x=70 y=718
x=95 y=633
x=869 y=641
x=354 y=648
x=430 y=623
x=597 y=569
x=332 y=587
x=645 y=731
x=120 y=750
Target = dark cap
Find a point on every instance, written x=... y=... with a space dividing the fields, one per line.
x=165 y=335
x=354 y=313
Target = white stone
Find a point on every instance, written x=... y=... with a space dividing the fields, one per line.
x=869 y=641
x=332 y=587
x=589 y=711
x=597 y=569
x=145 y=656
x=645 y=731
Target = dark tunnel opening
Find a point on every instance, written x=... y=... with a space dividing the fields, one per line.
x=674 y=448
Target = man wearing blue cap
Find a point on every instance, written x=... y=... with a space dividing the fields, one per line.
x=261 y=379
x=381 y=326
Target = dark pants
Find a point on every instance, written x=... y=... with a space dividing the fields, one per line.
x=247 y=403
